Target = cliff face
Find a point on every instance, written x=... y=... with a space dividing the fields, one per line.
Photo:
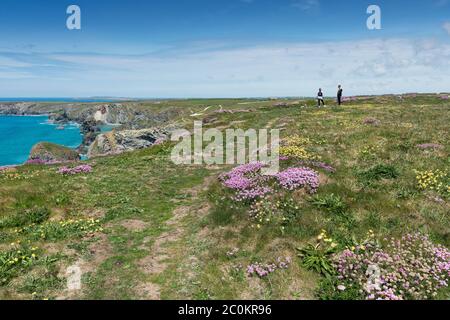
x=25 y=108
x=133 y=118
x=129 y=115
x=116 y=142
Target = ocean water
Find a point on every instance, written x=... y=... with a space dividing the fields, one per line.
x=19 y=134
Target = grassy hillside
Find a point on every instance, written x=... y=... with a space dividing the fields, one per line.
x=140 y=227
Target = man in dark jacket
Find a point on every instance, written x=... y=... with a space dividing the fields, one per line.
x=339 y=95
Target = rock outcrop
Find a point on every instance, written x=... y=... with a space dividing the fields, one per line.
x=116 y=142
x=90 y=129
x=129 y=116
x=46 y=152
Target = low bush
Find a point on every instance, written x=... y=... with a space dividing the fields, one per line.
x=377 y=173
x=317 y=257
x=331 y=203
x=35 y=215
x=14 y=261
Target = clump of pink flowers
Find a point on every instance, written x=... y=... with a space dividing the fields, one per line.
x=250 y=184
x=263 y=270
x=444 y=97
x=294 y=178
x=85 y=168
x=247 y=181
x=410 y=268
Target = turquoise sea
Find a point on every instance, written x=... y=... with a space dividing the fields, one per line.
x=19 y=134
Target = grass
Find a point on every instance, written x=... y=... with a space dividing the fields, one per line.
x=139 y=205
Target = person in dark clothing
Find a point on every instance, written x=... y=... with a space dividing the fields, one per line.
x=339 y=95
x=320 y=98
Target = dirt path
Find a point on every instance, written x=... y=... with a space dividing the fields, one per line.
x=162 y=250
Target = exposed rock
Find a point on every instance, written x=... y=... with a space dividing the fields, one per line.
x=47 y=152
x=90 y=117
x=130 y=115
x=116 y=142
x=90 y=130
x=17 y=108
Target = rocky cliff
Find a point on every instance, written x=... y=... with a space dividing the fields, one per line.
x=116 y=142
x=128 y=116
x=131 y=115
x=46 y=152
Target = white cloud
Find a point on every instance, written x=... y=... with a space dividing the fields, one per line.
x=446 y=27
x=363 y=67
x=12 y=63
x=15 y=75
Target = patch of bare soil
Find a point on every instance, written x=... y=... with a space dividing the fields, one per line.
x=301 y=290
x=55 y=248
x=148 y=291
x=96 y=214
x=254 y=290
x=323 y=179
x=99 y=251
x=134 y=225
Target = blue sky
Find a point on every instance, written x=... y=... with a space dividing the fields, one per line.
x=218 y=48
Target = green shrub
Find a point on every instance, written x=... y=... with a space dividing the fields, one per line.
x=35 y=215
x=15 y=261
x=337 y=208
x=317 y=258
x=331 y=203
x=377 y=173
x=405 y=193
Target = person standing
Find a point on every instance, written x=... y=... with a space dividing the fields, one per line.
x=320 y=98
x=339 y=95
